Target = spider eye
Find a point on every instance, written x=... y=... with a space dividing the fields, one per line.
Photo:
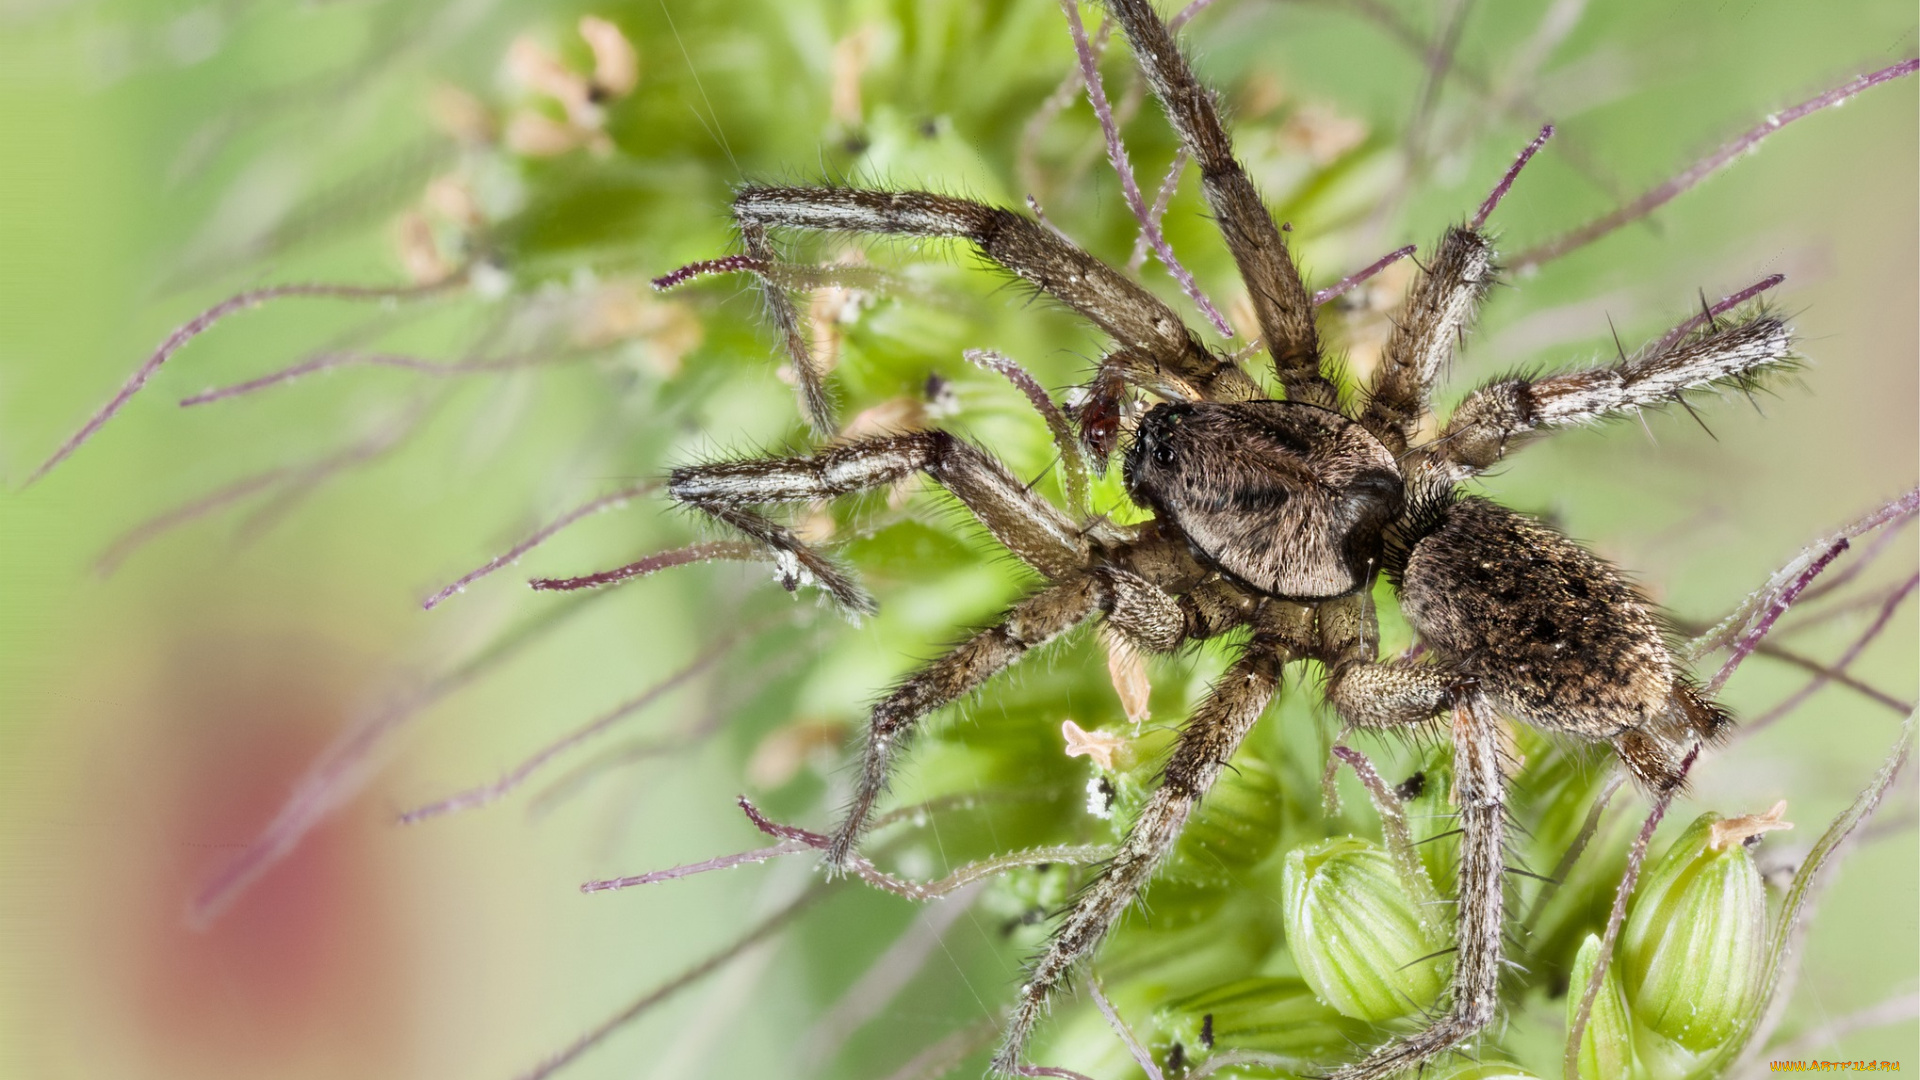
x=1162 y=453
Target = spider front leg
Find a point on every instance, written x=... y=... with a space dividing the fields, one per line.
x=1028 y=525
x=1135 y=607
x=1216 y=730
x=1477 y=435
x=1280 y=299
x=1441 y=307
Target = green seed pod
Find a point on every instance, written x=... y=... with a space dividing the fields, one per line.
x=1269 y=1016
x=1692 y=946
x=1606 y=1047
x=1355 y=934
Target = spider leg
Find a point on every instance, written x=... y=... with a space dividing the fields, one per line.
x=1480 y=791
x=1134 y=317
x=1438 y=312
x=1729 y=353
x=810 y=380
x=1026 y=524
x=1369 y=694
x=1134 y=606
x=1027 y=625
x=1279 y=298
x=1206 y=743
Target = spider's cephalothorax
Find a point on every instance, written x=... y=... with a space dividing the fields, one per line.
x=1287 y=500
x=1270 y=518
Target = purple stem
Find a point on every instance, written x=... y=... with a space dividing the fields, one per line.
x=863 y=867
x=882 y=982
x=1700 y=170
x=295 y=480
x=720 y=862
x=1874 y=550
x=306 y=479
x=1069 y=447
x=1129 y=187
x=665 y=560
x=1056 y=102
x=159 y=525
x=1346 y=284
x=1575 y=849
x=1513 y=173
x=767 y=927
x=474 y=798
x=1120 y=1028
x=945 y=1055
x=329 y=360
x=344 y=768
x=1636 y=858
x=1742 y=632
x=1168 y=185
x=726 y=264
x=801 y=276
x=203 y=322
x=1185 y=15
x=1393 y=828
x=513 y=554
x=1750 y=640
x=1726 y=304
x=1840 y=666
x=1040 y=216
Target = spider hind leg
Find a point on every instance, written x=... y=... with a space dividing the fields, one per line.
x=1480 y=790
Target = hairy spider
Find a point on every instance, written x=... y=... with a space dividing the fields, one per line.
x=1272 y=517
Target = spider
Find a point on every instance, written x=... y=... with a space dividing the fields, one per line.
x=1272 y=519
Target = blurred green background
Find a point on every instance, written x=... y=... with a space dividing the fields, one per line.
x=157 y=156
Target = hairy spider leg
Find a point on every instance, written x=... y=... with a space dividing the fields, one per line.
x=1136 y=607
x=1280 y=299
x=1480 y=791
x=1438 y=312
x=1476 y=436
x=1134 y=317
x=1282 y=634
x=1374 y=695
x=1027 y=625
x=810 y=380
x=1028 y=525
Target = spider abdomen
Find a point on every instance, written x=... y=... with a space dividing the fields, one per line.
x=1553 y=635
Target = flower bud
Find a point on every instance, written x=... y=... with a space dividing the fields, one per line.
x=1606 y=1046
x=1692 y=947
x=1355 y=934
x=1267 y=1016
